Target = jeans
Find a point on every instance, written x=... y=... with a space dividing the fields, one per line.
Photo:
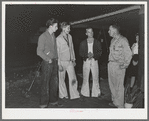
x=49 y=82
x=93 y=66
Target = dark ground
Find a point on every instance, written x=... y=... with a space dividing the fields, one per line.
x=20 y=74
x=15 y=98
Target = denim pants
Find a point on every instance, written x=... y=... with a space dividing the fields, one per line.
x=49 y=82
x=73 y=83
x=93 y=66
x=116 y=83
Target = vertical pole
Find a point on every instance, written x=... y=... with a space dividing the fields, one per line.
x=141 y=49
x=105 y=38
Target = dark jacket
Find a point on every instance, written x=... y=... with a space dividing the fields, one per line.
x=83 y=50
x=47 y=48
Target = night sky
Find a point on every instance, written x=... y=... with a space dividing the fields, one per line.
x=28 y=18
x=23 y=21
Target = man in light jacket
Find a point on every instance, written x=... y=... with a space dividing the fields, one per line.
x=66 y=62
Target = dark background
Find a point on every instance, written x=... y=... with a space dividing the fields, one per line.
x=23 y=22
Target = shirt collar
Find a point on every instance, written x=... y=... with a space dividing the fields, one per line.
x=49 y=32
x=90 y=42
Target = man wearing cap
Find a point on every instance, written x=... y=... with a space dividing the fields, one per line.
x=66 y=62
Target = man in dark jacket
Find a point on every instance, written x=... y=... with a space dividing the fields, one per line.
x=90 y=50
x=47 y=50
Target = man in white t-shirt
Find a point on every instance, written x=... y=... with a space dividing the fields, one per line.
x=90 y=51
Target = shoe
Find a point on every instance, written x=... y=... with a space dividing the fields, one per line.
x=100 y=96
x=56 y=104
x=59 y=105
x=64 y=99
x=43 y=106
x=112 y=105
x=82 y=98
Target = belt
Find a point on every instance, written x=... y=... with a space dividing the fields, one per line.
x=112 y=61
x=54 y=59
x=115 y=61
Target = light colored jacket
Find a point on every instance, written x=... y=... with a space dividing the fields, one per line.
x=120 y=51
x=65 y=52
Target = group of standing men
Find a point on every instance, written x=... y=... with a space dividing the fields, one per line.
x=58 y=57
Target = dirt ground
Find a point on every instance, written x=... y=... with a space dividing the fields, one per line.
x=18 y=82
x=15 y=98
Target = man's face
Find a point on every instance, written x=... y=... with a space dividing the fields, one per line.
x=112 y=31
x=89 y=32
x=54 y=27
x=66 y=29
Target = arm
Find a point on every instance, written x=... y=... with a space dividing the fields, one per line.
x=72 y=48
x=81 y=51
x=98 y=51
x=58 y=50
x=40 y=49
x=59 y=55
x=127 y=53
x=73 y=59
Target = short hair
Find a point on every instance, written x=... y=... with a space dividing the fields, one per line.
x=137 y=34
x=64 y=24
x=89 y=28
x=116 y=26
x=51 y=22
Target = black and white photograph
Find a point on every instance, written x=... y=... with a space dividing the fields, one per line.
x=74 y=60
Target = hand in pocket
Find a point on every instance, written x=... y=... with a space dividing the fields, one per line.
x=50 y=61
x=60 y=68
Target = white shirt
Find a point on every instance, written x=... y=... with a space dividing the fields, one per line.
x=90 y=47
x=135 y=48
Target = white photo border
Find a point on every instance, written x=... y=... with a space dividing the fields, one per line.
x=23 y=113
